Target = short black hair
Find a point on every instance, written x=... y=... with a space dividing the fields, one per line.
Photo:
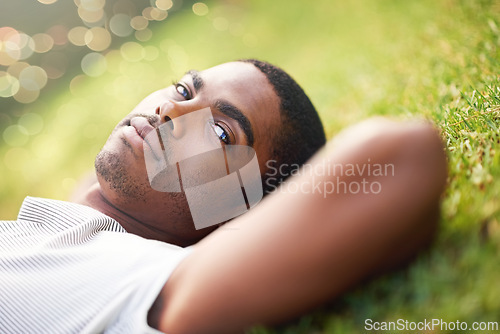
x=301 y=133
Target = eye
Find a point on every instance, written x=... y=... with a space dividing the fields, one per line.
x=182 y=90
x=221 y=133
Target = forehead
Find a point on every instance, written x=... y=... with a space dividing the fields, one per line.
x=249 y=90
x=244 y=83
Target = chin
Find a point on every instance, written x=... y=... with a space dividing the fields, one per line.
x=115 y=173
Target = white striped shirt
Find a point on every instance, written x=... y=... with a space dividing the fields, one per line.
x=67 y=268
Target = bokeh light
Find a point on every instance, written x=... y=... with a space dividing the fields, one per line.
x=91 y=5
x=158 y=14
x=10 y=47
x=164 y=4
x=220 y=23
x=144 y=35
x=47 y=2
x=15 y=135
x=113 y=59
x=139 y=22
x=97 y=39
x=94 y=64
x=29 y=62
x=21 y=42
x=76 y=83
x=5 y=58
x=90 y=16
x=132 y=51
x=151 y=53
x=77 y=35
x=200 y=9
x=9 y=85
x=33 y=78
x=120 y=25
x=16 y=68
x=26 y=96
x=5 y=32
x=59 y=34
x=146 y=13
x=43 y=42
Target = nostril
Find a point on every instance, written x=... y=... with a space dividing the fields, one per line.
x=168 y=121
x=163 y=110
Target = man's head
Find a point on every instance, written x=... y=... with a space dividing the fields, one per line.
x=253 y=103
x=300 y=133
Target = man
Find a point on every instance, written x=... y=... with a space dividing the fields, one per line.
x=255 y=103
x=71 y=268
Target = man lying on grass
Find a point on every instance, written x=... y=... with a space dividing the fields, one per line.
x=114 y=260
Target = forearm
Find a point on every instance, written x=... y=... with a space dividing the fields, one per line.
x=296 y=250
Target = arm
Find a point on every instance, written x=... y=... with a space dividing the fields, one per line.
x=296 y=250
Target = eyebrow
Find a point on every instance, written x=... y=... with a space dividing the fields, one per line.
x=197 y=80
x=226 y=108
x=233 y=112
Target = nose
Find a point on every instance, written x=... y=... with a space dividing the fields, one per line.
x=170 y=110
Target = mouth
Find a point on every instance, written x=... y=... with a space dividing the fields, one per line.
x=144 y=129
x=142 y=126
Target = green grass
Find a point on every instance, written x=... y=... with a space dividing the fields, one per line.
x=433 y=59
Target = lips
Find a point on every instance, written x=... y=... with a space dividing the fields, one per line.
x=142 y=126
x=150 y=143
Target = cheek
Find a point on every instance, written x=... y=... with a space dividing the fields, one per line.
x=159 y=208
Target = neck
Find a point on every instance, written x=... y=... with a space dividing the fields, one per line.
x=95 y=199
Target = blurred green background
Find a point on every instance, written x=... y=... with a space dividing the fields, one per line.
x=433 y=59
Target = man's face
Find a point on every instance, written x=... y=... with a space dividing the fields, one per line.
x=245 y=111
